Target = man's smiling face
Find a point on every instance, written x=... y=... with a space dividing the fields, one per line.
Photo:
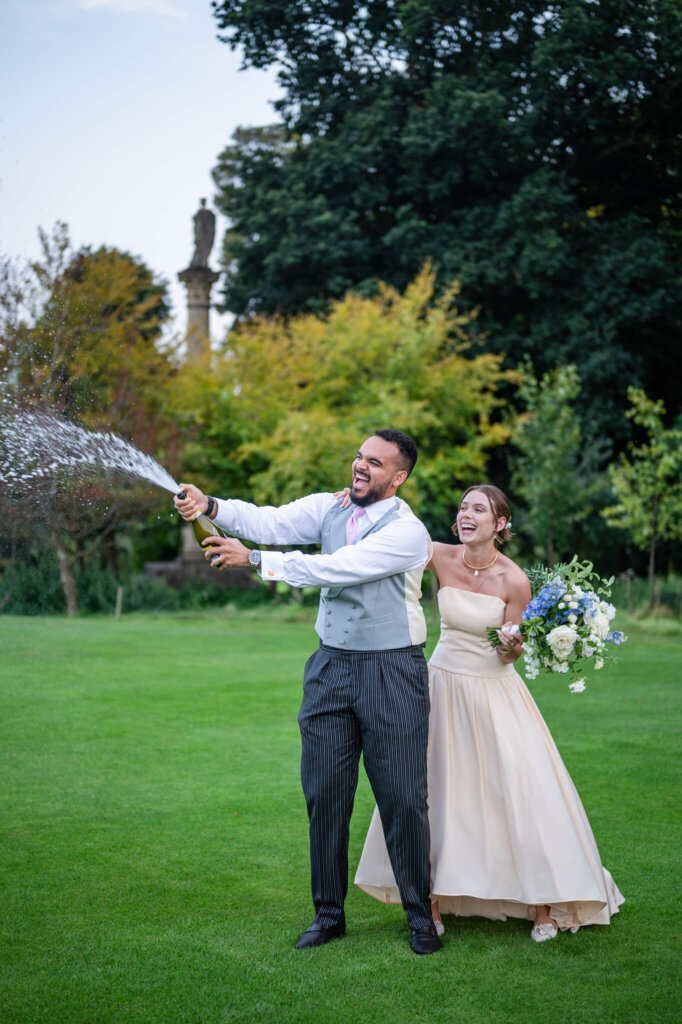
x=377 y=471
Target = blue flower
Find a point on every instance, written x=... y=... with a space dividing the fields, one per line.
x=549 y=596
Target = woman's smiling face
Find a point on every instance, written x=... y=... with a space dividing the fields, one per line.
x=475 y=518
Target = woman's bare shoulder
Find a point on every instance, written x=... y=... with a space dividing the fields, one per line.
x=443 y=553
x=516 y=578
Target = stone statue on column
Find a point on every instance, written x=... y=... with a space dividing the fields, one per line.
x=198 y=279
x=204 y=233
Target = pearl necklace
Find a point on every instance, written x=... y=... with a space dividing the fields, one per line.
x=480 y=568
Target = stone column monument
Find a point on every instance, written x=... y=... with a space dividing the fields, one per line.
x=198 y=279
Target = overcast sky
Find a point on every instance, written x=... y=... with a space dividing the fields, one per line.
x=113 y=113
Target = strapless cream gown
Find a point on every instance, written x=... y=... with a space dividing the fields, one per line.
x=508 y=830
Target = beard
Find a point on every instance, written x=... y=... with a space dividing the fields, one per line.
x=373 y=494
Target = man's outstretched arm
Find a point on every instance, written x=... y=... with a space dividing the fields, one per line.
x=299 y=522
x=400 y=546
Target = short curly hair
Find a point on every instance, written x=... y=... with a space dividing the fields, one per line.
x=405 y=444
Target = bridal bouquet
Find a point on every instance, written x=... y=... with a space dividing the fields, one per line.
x=567 y=621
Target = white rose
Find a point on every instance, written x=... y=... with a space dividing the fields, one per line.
x=572 y=619
x=561 y=641
x=598 y=622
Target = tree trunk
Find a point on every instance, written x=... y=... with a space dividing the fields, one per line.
x=652 y=571
x=66 y=576
x=652 y=552
x=111 y=554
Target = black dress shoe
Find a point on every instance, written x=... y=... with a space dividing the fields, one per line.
x=318 y=934
x=426 y=941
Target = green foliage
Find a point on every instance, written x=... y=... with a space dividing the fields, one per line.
x=550 y=472
x=525 y=148
x=79 y=334
x=296 y=398
x=573 y=573
x=631 y=595
x=32 y=587
x=647 y=483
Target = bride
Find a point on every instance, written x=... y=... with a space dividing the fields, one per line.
x=509 y=835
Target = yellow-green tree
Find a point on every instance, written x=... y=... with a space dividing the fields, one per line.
x=287 y=403
x=80 y=334
x=647 y=482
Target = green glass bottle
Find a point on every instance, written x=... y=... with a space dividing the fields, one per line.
x=204 y=527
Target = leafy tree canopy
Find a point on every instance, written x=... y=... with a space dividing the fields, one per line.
x=80 y=335
x=530 y=149
x=553 y=472
x=647 y=482
x=295 y=398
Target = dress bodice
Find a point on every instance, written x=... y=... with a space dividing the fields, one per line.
x=463 y=646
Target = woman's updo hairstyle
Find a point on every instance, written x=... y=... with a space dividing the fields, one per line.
x=499 y=503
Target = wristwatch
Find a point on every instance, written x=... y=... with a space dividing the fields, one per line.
x=254 y=558
x=211 y=505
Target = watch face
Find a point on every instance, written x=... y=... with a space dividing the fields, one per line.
x=254 y=557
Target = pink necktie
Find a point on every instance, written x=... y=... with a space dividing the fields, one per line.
x=353 y=524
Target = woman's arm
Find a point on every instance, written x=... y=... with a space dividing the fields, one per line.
x=440 y=552
x=519 y=594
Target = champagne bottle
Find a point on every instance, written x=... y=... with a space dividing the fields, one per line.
x=204 y=527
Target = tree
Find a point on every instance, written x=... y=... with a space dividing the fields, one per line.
x=80 y=331
x=551 y=472
x=80 y=336
x=291 y=400
x=531 y=150
x=647 y=484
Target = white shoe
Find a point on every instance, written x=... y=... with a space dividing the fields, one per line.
x=542 y=932
x=440 y=928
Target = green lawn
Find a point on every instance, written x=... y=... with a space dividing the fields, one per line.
x=154 y=841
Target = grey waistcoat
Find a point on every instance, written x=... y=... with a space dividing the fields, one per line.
x=376 y=616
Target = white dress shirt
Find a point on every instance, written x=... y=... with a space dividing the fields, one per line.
x=399 y=546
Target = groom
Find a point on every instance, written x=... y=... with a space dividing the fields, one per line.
x=365 y=689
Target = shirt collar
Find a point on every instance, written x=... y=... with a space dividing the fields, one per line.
x=379 y=508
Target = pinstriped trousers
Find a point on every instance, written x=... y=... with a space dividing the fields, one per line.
x=377 y=703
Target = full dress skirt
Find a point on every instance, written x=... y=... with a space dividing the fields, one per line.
x=508 y=830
